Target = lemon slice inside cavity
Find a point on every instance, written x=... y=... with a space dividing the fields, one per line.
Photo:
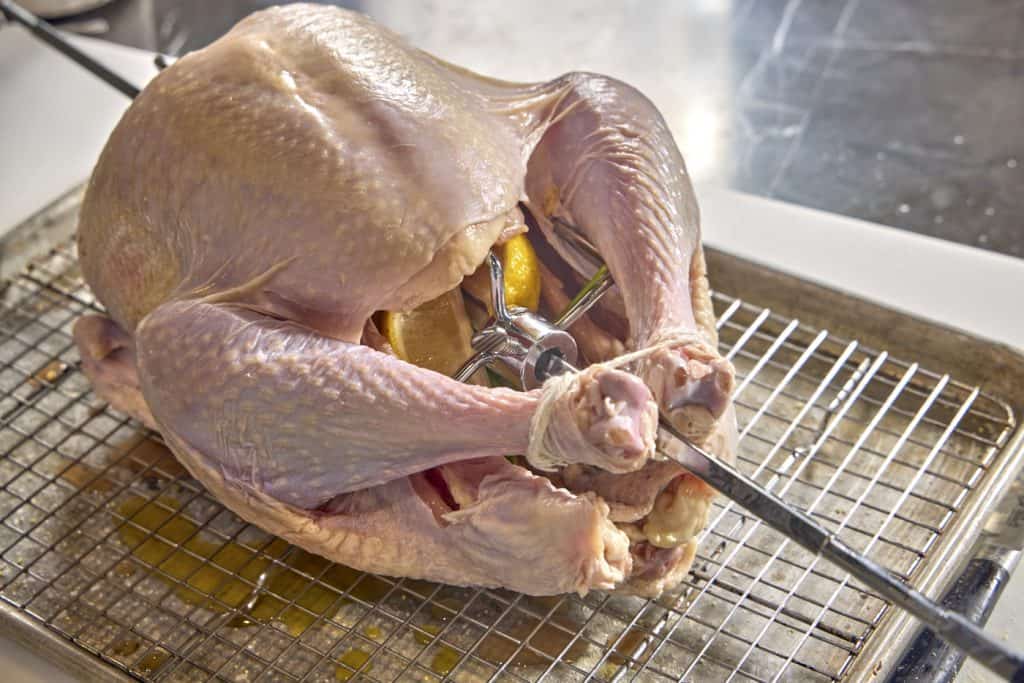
x=522 y=275
x=435 y=335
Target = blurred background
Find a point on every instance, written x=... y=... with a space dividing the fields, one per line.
x=908 y=114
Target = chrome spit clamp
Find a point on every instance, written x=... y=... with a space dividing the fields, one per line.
x=518 y=337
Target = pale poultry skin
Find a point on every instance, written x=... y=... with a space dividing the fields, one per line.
x=265 y=196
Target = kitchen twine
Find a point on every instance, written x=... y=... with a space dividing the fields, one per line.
x=554 y=428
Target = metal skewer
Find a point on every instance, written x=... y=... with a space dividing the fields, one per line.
x=48 y=34
x=539 y=349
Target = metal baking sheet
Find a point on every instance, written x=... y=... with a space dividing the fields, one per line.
x=896 y=432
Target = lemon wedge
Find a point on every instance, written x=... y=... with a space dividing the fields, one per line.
x=435 y=335
x=522 y=275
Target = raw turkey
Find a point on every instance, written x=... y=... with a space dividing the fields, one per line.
x=265 y=196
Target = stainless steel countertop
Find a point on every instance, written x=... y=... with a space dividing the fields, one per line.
x=902 y=113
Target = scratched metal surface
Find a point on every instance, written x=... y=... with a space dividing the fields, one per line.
x=901 y=112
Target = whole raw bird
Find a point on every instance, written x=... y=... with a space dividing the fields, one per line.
x=265 y=196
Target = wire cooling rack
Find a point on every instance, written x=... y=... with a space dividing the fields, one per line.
x=106 y=543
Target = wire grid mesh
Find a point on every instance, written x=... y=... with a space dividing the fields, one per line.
x=107 y=541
